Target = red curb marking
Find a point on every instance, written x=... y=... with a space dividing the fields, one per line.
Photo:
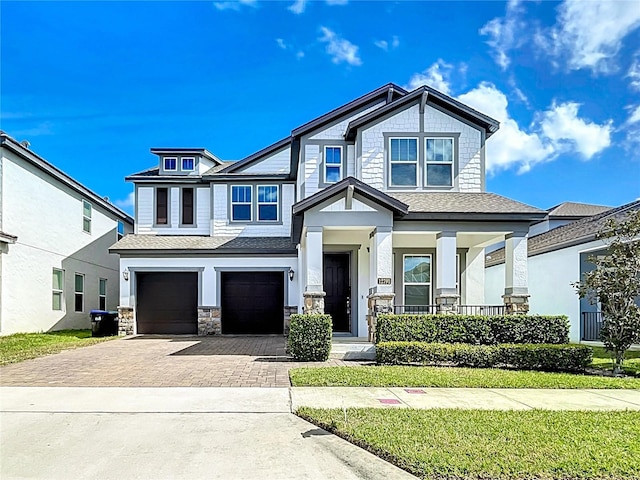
x=389 y=401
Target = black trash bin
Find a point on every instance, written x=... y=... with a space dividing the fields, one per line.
x=103 y=323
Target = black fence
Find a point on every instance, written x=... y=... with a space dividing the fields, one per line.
x=460 y=309
x=415 y=309
x=591 y=326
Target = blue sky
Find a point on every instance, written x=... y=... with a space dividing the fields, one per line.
x=94 y=85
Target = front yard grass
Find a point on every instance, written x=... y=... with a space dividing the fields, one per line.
x=448 y=377
x=23 y=346
x=602 y=361
x=474 y=444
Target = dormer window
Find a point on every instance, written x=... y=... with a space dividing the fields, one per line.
x=170 y=164
x=188 y=164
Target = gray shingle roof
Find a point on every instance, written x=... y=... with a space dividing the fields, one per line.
x=458 y=202
x=220 y=167
x=574 y=209
x=574 y=233
x=203 y=244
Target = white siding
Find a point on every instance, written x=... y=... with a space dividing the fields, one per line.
x=47 y=218
x=279 y=162
x=145 y=212
x=336 y=131
x=356 y=206
x=351 y=161
x=311 y=169
x=222 y=226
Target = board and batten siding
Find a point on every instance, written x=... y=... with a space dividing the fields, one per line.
x=47 y=218
x=145 y=212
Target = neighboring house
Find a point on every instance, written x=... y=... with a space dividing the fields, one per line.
x=557 y=259
x=378 y=205
x=54 y=239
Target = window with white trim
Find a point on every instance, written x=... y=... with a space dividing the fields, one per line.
x=417 y=279
x=403 y=155
x=79 y=292
x=86 y=216
x=241 y=201
x=102 y=294
x=170 y=164
x=439 y=162
x=58 y=289
x=332 y=164
x=188 y=164
x=268 y=203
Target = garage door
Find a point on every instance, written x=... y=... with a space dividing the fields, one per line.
x=252 y=302
x=167 y=302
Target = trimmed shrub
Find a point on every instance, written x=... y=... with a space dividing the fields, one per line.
x=545 y=357
x=473 y=329
x=310 y=337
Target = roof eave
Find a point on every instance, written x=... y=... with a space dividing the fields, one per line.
x=466 y=216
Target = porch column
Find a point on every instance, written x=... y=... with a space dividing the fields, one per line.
x=380 y=299
x=447 y=297
x=313 y=292
x=474 y=276
x=516 y=291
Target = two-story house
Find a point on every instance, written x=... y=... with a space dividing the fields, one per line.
x=378 y=205
x=55 y=235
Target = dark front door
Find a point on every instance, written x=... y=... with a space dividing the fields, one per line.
x=167 y=302
x=337 y=287
x=252 y=302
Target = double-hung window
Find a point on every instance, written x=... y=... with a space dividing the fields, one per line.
x=170 y=164
x=241 y=201
x=404 y=162
x=268 y=203
x=79 y=292
x=86 y=216
x=187 y=206
x=417 y=279
x=102 y=294
x=162 y=206
x=439 y=162
x=332 y=164
x=188 y=164
x=58 y=289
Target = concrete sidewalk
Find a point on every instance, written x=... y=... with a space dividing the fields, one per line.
x=466 y=398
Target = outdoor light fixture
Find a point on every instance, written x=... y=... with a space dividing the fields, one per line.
x=125 y=275
x=291 y=274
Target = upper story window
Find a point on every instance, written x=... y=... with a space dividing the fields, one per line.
x=86 y=216
x=439 y=162
x=188 y=164
x=332 y=164
x=403 y=153
x=120 y=230
x=241 y=202
x=187 y=206
x=268 y=203
x=162 y=206
x=170 y=164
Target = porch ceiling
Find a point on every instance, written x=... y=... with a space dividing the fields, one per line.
x=463 y=240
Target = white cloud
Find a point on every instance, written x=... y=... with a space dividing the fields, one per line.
x=436 y=76
x=632 y=129
x=382 y=44
x=556 y=131
x=234 y=4
x=505 y=33
x=634 y=72
x=566 y=131
x=634 y=117
x=281 y=43
x=300 y=54
x=127 y=203
x=589 y=34
x=395 y=42
x=340 y=49
x=298 y=7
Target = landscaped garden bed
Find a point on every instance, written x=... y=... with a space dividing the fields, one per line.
x=23 y=346
x=463 y=444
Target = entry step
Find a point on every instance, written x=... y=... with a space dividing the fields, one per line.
x=355 y=350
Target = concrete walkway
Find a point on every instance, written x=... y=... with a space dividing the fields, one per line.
x=466 y=398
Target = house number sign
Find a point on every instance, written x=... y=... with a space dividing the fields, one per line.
x=384 y=281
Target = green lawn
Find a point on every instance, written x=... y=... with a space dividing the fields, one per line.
x=23 y=346
x=602 y=360
x=409 y=376
x=475 y=444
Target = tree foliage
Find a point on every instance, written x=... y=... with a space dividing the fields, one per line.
x=615 y=284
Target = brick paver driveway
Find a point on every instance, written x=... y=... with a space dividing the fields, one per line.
x=167 y=361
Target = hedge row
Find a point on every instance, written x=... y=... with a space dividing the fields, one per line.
x=545 y=357
x=310 y=337
x=473 y=329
